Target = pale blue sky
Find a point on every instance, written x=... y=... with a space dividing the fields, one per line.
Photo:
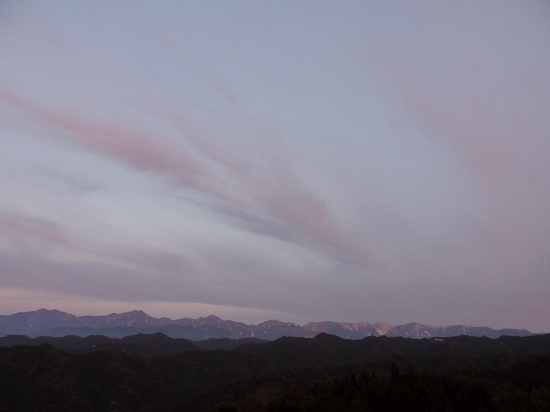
x=376 y=161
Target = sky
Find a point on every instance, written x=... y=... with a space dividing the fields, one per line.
x=301 y=161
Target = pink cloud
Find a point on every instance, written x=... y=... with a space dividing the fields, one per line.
x=17 y=227
x=285 y=201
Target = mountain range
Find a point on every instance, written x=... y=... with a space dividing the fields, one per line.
x=44 y=322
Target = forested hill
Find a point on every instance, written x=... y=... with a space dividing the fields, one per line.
x=323 y=373
x=139 y=345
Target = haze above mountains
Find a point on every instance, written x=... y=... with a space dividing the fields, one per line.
x=44 y=322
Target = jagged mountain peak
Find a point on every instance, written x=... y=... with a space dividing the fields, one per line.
x=382 y=328
x=209 y=320
x=42 y=311
x=134 y=313
x=213 y=318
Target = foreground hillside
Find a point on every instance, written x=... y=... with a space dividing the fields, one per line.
x=289 y=374
x=138 y=345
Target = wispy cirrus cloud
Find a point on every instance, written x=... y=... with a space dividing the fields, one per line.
x=276 y=201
